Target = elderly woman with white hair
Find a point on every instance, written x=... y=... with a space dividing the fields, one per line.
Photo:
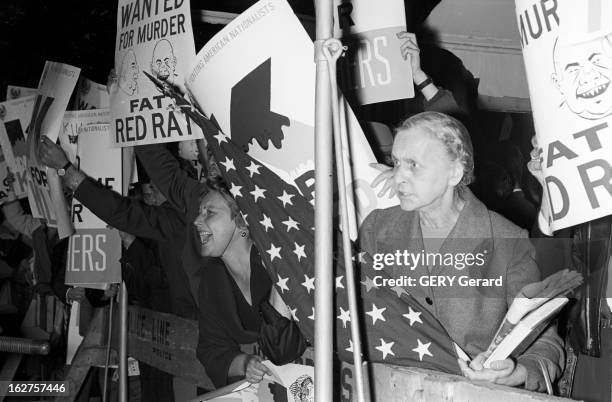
x=483 y=258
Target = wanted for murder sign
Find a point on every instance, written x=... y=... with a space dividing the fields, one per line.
x=94 y=250
x=45 y=193
x=567 y=48
x=373 y=67
x=15 y=116
x=264 y=86
x=156 y=37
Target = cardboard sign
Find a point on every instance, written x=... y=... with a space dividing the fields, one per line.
x=90 y=95
x=94 y=249
x=46 y=196
x=16 y=92
x=157 y=38
x=264 y=86
x=569 y=71
x=373 y=67
x=15 y=116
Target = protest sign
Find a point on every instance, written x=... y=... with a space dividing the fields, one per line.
x=15 y=116
x=94 y=250
x=90 y=95
x=16 y=92
x=157 y=38
x=373 y=67
x=45 y=193
x=567 y=48
x=264 y=86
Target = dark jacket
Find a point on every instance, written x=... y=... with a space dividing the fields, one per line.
x=163 y=223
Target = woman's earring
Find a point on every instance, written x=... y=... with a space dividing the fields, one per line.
x=243 y=234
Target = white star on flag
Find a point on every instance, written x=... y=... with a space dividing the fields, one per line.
x=339 y=284
x=258 y=193
x=282 y=284
x=422 y=349
x=350 y=348
x=308 y=283
x=376 y=314
x=286 y=198
x=299 y=251
x=228 y=164
x=312 y=316
x=274 y=252
x=291 y=224
x=369 y=284
x=220 y=137
x=253 y=168
x=266 y=223
x=345 y=316
x=361 y=257
x=244 y=217
x=413 y=316
x=385 y=348
x=294 y=314
x=399 y=290
x=235 y=190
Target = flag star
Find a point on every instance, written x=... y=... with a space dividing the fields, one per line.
x=369 y=284
x=339 y=284
x=399 y=291
x=385 y=348
x=376 y=314
x=413 y=316
x=244 y=217
x=220 y=137
x=361 y=257
x=291 y=224
x=228 y=164
x=294 y=314
x=282 y=283
x=308 y=283
x=299 y=251
x=253 y=168
x=422 y=349
x=312 y=316
x=350 y=348
x=235 y=190
x=286 y=198
x=266 y=223
x=345 y=316
x=274 y=252
x=258 y=193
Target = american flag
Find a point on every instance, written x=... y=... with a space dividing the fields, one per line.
x=395 y=328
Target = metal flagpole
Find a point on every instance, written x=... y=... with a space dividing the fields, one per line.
x=324 y=277
x=123 y=375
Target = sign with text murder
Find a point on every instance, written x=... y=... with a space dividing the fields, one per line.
x=256 y=74
x=154 y=37
x=94 y=249
x=567 y=48
x=373 y=67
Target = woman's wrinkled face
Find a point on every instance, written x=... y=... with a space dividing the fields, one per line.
x=215 y=225
x=422 y=170
x=188 y=150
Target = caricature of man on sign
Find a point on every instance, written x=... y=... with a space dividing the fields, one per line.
x=128 y=75
x=583 y=75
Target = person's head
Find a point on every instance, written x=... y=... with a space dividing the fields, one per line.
x=583 y=74
x=163 y=61
x=151 y=195
x=188 y=150
x=219 y=224
x=128 y=74
x=432 y=159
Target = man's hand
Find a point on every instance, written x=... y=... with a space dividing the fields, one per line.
x=385 y=176
x=410 y=47
x=502 y=372
x=51 y=154
x=254 y=370
x=75 y=294
x=126 y=239
x=535 y=164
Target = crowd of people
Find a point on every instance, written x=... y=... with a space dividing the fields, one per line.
x=188 y=251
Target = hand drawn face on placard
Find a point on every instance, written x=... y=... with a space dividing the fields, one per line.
x=302 y=389
x=128 y=74
x=583 y=76
x=163 y=62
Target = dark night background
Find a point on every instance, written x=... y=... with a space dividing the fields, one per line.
x=82 y=33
